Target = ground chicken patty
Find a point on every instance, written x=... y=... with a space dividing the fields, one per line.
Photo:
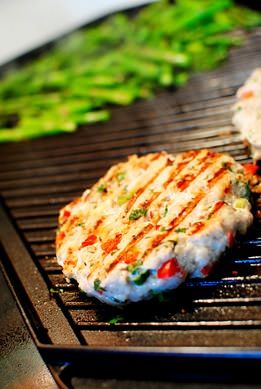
x=152 y=221
x=247 y=113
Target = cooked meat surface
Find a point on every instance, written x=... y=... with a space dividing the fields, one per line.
x=152 y=221
x=247 y=116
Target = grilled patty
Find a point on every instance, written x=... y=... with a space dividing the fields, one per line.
x=152 y=221
x=247 y=113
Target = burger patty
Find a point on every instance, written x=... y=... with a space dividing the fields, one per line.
x=247 y=113
x=152 y=221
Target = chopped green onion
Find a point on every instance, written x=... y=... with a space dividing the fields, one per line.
x=240 y=203
x=165 y=210
x=97 y=285
x=137 y=213
x=124 y=197
x=133 y=266
x=141 y=277
x=102 y=188
x=120 y=176
x=178 y=230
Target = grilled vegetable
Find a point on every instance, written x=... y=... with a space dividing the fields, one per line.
x=74 y=82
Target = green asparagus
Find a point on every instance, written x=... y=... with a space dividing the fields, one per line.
x=116 y=62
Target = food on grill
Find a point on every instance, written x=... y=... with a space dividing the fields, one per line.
x=152 y=221
x=247 y=117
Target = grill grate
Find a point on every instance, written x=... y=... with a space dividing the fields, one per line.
x=41 y=176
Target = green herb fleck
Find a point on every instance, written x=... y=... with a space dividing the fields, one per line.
x=141 y=277
x=81 y=224
x=163 y=229
x=133 y=266
x=113 y=252
x=226 y=165
x=116 y=319
x=57 y=290
x=124 y=197
x=180 y=230
x=165 y=211
x=137 y=213
x=121 y=176
x=102 y=188
x=97 y=285
x=247 y=191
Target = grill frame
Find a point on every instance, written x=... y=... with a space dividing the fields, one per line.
x=23 y=267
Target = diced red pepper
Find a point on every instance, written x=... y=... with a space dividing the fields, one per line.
x=89 y=241
x=169 y=269
x=246 y=94
x=230 y=238
x=111 y=244
x=66 y=214
x=206 y=270
x=59 y=237
x=250 y=168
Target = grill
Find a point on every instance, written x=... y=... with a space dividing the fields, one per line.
x=210 y=325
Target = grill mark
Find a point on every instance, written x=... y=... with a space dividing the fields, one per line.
x=199 y=226
x=183 y=214
x=218 y=174
x=111 y=244
x=100 y=221
x=174 y=173
x=180 y=167
x=175 y=222
x=130 y=245
x=158 y=239
x=147 y=202
x=142 y=189
x=134 y=198
x=97 y=225
x=185 y=181
x=153 y=197
x=217 y=207
x=128 y=207
x=136 y=195
x=196 y=227
x=187 y=209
